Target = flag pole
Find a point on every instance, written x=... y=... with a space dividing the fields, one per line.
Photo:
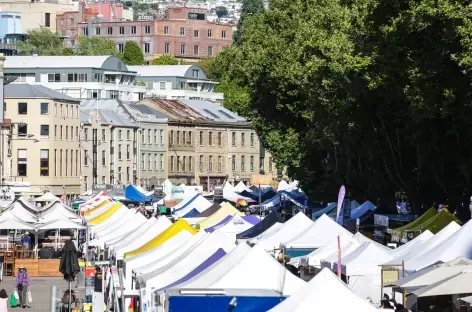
x=339 y=257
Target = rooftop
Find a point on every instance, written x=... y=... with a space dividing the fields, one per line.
x=27 y=91
x=142 y=110
x=175 y=109
x=213 y=111
x=165 y=70
x=106 y=117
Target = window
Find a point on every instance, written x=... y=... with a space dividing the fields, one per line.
x=243 y=138
x=147 y=47
x=149 y=161
x=183 y=138
x=172 y=163
x=128 y=135
x=210 y=163
x=182 y=49
x=251 y=163
x=195 y=33
x=166 y=48
x=210 y=138
x=155 y=136
x=190 y=162
x=178 y=137
x=77 y=133
x=55 y=132
x=127 y=174
x=155 y=162
x=121 y=47
x=47 y=19
x=223 y=34
x=201 y=163
x=195 y=50
x=55 y=162
x=44 y=162
x=60 y=133
x=97 y=31
x=162 y=85
x=190 y=142
x=77 y=77
x=76 y=163
x=184 y=159
x=104 y=180
x=161 y=162
x=66 y=162
x=233 y=162
x=270 y=163
x=22 y=160
x=195 y=74
x=142 y=136
x=54 y=77
x=119 y=174
x=110 y=30
x=44 y=132
x=219 y=138
x=122 y=30
x=128 y=151
x=209 y=33
x=149 y=136
x=233 y=138
x=104 y=158
x=147 y=29
x=22 y=108
x=182 y=31
x=119 y=151
x=71 y=132
x=201 y=137
x=55 y=109
x=85 y=158
x=104 y=135
x=67 y=132
x=161 y=136
x=210 y=51
x=166 y=30
x=86 y=183
x=85 y=134
x=133 y=29
x=242 y=162
x=142 y=160
x=220 y=165
x=85 y=31
x=60 y=162
x=22 y=130
x=252 y=139
x=119 y=134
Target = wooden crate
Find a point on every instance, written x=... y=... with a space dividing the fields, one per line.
x=49 y=268
x=30 y=264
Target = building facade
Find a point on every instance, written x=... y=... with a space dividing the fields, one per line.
x=81 y=77
x=109 y=148
x=177 y=82
x=41 y=139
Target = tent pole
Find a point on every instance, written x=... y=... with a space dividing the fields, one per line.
x=70 y=296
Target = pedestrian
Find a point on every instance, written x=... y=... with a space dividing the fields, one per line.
x=22 y=284
x=3 y=301
x=26 y=243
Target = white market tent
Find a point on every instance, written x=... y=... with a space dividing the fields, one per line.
x=47 y=197
x=130 y=217
x=95 y=201
x=321 y=232
x=230 y=194
x=161 y=278
x=122 y=212
x=174 y=243
x=132 y=236
x=467 y=299
x=15 y=224
x=58 y=211
x=456 y=284
x=196 y=201
x=290 y=229
x=412 y=257
x=274 y=228
x=18 y=211
x=234 y=226
x=99 y=211
x=407 y=248
x=240 y=187
x=457 y=245
x=284 y=186
x=325 y=292
x=60 y=224
x=247 y=268
x=120 y=249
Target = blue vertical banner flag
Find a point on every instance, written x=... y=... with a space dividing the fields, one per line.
x=342 y=193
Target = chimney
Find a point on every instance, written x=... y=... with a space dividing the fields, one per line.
x=81 y=11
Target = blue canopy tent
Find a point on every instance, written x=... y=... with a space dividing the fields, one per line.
x=260 y=227
x=132 y=194
x=297 y=198
x=265 y=194
x=327 y=210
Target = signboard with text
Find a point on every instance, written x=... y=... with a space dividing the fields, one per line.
x=113 y=190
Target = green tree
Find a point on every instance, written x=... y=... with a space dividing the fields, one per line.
x=221 y=11
x=132 y=54
x=96 y=46
x=42 y=41
x=165 y=60
x=250 y=8
x=68 y=51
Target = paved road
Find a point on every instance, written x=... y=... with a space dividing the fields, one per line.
x=41 y=288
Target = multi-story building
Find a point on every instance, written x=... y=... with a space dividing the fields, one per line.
x=82 y=77
x=177 y=82
x=11 y=32
x=109 y=146
x=185 y=33
x=41 y=139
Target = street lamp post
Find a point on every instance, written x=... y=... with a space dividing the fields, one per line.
x=2 y=114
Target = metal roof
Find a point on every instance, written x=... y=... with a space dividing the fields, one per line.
x=175 y=109
x=75 y=61
x=213 y=111
x=146 y=111
x=107 y=117
x=27 y=91
x=165 y=70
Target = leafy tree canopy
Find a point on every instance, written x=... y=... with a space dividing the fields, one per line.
x=165 y=60
x=221 y=11
x=250 y=8
x=42 y=41
x=374 y=94
x=96 y=46
x=132 y=54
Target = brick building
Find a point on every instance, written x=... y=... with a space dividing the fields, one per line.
x=185 y=34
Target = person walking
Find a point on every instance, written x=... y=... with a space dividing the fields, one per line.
x=22 y=285
x=3 y=301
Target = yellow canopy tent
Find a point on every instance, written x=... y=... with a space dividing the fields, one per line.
x=102 y=204
x=105 y=215
x=174 y=229
x=425 y=217
x=436 y=223
x=226 y=210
